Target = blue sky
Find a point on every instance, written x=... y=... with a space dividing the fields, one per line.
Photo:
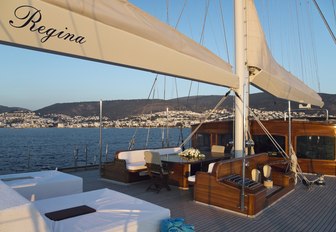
x=34 y=80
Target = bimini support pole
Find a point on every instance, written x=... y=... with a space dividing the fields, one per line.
x=289 y=129
x=242 y=196
x=100 y=134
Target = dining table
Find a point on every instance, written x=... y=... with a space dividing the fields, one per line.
x=181 y=167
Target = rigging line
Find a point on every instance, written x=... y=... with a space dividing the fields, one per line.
x=283 y=153
x=177 y=96
x=197 y=94
x=269 y=24
x=180 y=16
x=333 y=4
x=167 y=11
x=200 y=42
x=313 y=42
x=299 y=36
x=206 y=117
x=281 y=46
x=325 y=21
x=310 y=65
x=189 y=92
x=213 y=31
x=290 y=41
x=305 y=41
x=269 y=135
x=176 y=25
x=225 y=39
x=275 y=143
x=164 y=88
x=204 y=21
x=132 y=141
x=151 y=113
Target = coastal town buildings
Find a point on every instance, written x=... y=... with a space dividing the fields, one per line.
x=28 y=119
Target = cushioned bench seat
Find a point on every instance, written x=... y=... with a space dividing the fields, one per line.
x=130 y=166
x=134 y=159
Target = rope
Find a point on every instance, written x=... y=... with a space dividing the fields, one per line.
x=269 y=135
x=333 y=4
x=151 y=110
x=325 y=21
x=200 y=42
x=147 y=138
x=206 y=117
x=132 y=141
x=179 y=18
x=222 y=20
x=189 y=92
x=167 y=11
x=313 y=43
x=294 y=165
x=300 y=44
x=177 y=96
x=204 y=21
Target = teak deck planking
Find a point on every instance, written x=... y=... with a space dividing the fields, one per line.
x=301 y=210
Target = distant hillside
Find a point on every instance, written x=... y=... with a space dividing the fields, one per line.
x=4 y=109
x=117 y=109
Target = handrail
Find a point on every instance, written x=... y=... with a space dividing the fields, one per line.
x=298 y=110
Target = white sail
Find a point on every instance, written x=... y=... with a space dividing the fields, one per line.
x=114 y=32
x=267 y=74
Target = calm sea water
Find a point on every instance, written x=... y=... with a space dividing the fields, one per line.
x=48 y=148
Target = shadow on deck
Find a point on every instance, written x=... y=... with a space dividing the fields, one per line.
x=301 y=210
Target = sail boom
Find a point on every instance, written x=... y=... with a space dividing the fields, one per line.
x=114 y=32
x=295 y=91
x=272 y=77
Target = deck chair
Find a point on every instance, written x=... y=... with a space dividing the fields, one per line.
x=192 y=179
x=217 y=149
x=255 y=174
x=159 y=176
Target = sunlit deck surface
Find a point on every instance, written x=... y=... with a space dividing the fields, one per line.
x=300 y=210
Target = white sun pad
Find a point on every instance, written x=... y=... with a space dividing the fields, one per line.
x=43 y=184
x=17 y=213
x=114 y=212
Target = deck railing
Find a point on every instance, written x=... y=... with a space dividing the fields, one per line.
x=15 y=159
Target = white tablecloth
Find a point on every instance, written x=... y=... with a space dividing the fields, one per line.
x=114 y=212
x=43 y=184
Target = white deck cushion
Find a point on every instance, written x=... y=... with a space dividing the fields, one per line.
x=135 y=159
x=136 y=166
x=17 y=213
x=115 y=211
x=192 y=178
x=167 y=151
x=43 y=184
x=9 y=197
x=132 y=156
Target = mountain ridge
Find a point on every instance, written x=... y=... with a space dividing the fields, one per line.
x=117 y=109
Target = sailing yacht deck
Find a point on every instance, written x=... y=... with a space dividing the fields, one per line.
x=301 y=210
